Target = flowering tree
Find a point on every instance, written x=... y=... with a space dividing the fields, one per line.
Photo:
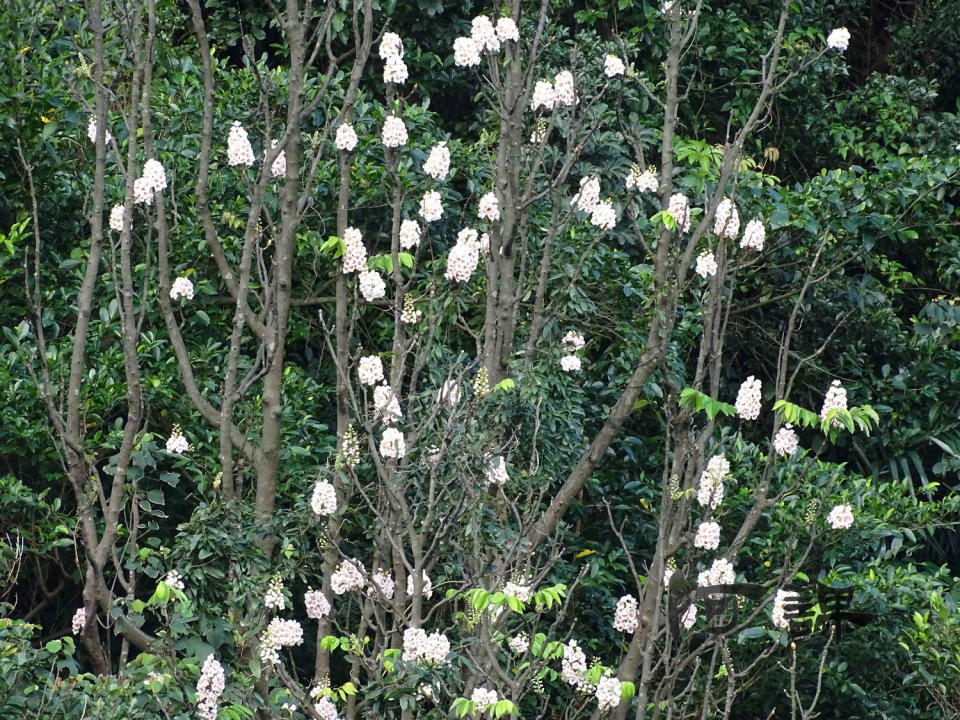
x=422 y=549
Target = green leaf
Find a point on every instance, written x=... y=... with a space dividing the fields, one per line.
x=53 y=646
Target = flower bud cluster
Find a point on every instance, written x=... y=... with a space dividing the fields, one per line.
x=210 y=687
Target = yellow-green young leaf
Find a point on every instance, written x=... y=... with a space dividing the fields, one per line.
x=330 y=642
x=406 y=259
x=160 y=595
x=349 y=688
x=138 y=606
x=505 y=384
x=514 y=604
x=332 y=246
x=627 y=690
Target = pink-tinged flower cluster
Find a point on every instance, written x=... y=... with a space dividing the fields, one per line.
x=707 y=536
x=346 y=138
x=489 y=207
x=181 y=288
x=838 y=39
x=394 y=132
x=785 y=441
x=571 y=363
x=520 y=592
x=497 y=471
x=79 y=621
x=836 y=399
x=608 y=693
x=643 y=180
x=840 y=517
x=573 y=665
x=603 y=215
x=409 y=234
x=689 y=617
x=431 y=207
x=279 y=167
x=706 y=264
x=354 y=253
x=720 y=573
x=484 y=34
x=726 y=221
x=317 y=604
x=278 y=635
x=325 y=708
x=392 y=444
x=383 y=582
x=613 y=66
x=754 y=235
x=386 y=405
x=371 y=285
x=239 y=150
x=483 y=698
x=324 y=500
x=544 y=96
x=519 y=644
x=177 y=443
x=420 y=647
x=437 y=164
x=679 y=208
x=563 y=88
x=711 y=489
x=153 y=180
x=92 y=131
x=274 y=598
x=778 y=615
x=370 y=370
x=748 y=399
x=589 y=196
x=348 y=576
x=116 y=218
x=426 y=586
x=210 y=687
x=626 y=618
x=463 y=257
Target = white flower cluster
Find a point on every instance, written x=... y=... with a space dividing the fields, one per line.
x=497 y=471
x=785 y=441
x=325 y=708
x=573 y=665
x=354 y=253
x=348 y=576
x=210 y=687
x=383 y=582
x=482 y=698
x=181 y=288
x=507 y=30
x=563 y=88
x=92 y=131
x=603 y=215
x=748 y=399
x=484 y=34
x=317 y=604
x=643 y=180
x=608 y=693
x=391 y=46
x=613 y=66
x=409 y=234
x=173 y=579
x=177 y=443
x=153 y=180
x=463 y=257
x=466 y=52
x=346 y=138
x=626 y=618
x=279 y=634
x=426 y=588
x=431 y=207
x=274 y=598
x=840 y=517
x=679 y=208
x=239 y=150
x=438 y=162
x=395 y=69
x=392 y=444
x=726 y=221
x=116 y=218
x=779 y=609
x=324 y=500
x=720 y=573
x=520 y=592
x=708 y=536
x=420 y=647
x=370 y=370
x=371 y=285
x=279 y=167
x=706 y=264
x=484 y=37
x=519 y=644
x=386 y=404
x=544 y=96
x=838 y=39
x=489 y=207
x=394 y=132
x=572 y=342
x=836 y=399
x=589 y=195
x=571 y=363
x=710 y=492
x=79 y=621
x=753 y=236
